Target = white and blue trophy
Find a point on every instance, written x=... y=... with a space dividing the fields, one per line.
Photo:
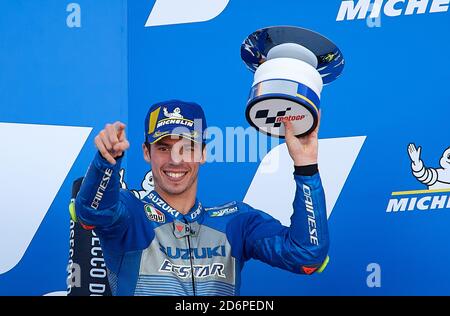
x=291 y=66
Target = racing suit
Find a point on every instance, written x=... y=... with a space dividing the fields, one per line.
x=152 y=249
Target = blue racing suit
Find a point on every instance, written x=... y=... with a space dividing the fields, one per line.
x=152 y=249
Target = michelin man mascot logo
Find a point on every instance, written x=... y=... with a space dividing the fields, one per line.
x=147 y=185
x=433 y=178
x=176 y=113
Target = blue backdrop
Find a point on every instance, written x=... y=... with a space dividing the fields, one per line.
x=394 y=91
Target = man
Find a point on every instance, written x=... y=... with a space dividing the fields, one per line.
x=168 y=243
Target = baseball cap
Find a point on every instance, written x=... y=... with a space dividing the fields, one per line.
x=175 y=117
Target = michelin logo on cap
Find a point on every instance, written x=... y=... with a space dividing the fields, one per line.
x=176 y=113
x=185 y=119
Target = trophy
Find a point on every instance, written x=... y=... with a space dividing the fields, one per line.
x=291 y=66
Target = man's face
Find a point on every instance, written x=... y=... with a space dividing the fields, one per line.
x=175 y=163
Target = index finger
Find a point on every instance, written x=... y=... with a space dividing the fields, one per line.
x=319 y=116
x=119 y=126
x=120 y=130
x=122 y=136
x=288 y=129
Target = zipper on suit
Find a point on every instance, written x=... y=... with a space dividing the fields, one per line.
x=191 y=260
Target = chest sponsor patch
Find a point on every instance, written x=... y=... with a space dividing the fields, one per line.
x=199 y=271
x=153 y=214
x=224 y=212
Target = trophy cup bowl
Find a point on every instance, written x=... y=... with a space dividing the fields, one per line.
x=291 y=66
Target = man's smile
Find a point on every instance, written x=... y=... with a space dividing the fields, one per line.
x=175 y=175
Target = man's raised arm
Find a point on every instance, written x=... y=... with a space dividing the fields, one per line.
x=98 y=201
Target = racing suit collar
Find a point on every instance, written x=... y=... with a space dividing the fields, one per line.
x=194 y=214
